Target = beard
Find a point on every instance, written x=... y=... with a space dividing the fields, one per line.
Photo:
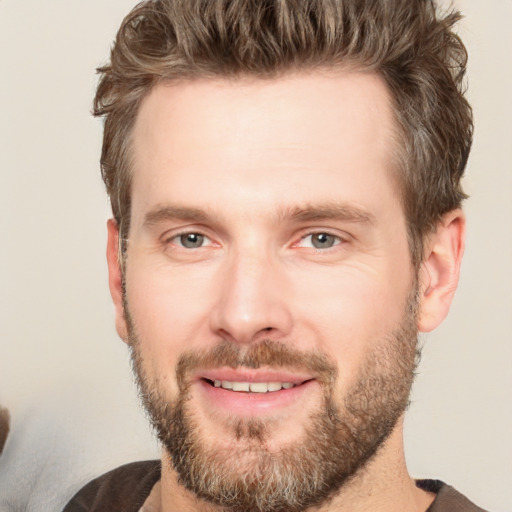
x=338 y=439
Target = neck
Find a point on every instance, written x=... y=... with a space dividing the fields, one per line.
x=383 y=484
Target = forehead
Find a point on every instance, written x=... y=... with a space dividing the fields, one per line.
x=296 y=135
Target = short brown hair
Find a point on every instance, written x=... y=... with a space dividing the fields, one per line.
x=408 y=42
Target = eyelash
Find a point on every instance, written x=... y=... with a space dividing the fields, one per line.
x=337 y=240
x=178 y=236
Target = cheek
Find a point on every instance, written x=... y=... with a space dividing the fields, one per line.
x=168 y=313
x=166 y=301
x=350 y=312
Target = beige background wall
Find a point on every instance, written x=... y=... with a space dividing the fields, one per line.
x=63 y=370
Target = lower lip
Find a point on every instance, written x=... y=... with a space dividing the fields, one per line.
x=241 y=403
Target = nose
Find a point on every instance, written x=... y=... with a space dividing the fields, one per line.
x=252 y=300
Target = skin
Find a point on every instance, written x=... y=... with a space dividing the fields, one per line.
x=259 y=167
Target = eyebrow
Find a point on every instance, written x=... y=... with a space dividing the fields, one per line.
x=330 y=211
x=308 y=213
x=173 y=213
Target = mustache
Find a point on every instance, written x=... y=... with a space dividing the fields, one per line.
x=266 y=353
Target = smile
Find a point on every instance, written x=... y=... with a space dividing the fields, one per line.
x=248 y=393
x=252 y=387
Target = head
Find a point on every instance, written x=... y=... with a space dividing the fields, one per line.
x=285 y=182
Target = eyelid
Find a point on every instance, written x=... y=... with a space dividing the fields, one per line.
x=337 y=241
x=206 y=242
x=341 y=237
x=172 y=234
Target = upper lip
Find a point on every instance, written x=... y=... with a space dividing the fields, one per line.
x=250 y=375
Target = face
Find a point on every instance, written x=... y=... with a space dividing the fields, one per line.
x=269 y=291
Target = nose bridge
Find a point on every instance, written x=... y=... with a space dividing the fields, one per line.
x=251 y=299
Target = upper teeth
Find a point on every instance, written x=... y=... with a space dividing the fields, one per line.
x=254 y=387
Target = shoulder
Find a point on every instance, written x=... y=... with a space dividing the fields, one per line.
x=121 y=490
x=447 y=498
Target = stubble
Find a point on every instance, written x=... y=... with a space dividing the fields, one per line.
x=337 y=442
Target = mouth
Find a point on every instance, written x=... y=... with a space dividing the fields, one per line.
x=241 y=392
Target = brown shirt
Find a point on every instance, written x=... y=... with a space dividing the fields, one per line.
x=125 y=489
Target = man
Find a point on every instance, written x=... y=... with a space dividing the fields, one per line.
x=285 y=184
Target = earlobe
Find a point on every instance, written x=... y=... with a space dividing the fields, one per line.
x=115 y=278
x=439 y=272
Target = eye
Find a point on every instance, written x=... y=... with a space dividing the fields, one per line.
x=320 y=241
x=191 y=240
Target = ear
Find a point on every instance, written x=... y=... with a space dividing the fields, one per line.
x=115 y=277
x=439 y=272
